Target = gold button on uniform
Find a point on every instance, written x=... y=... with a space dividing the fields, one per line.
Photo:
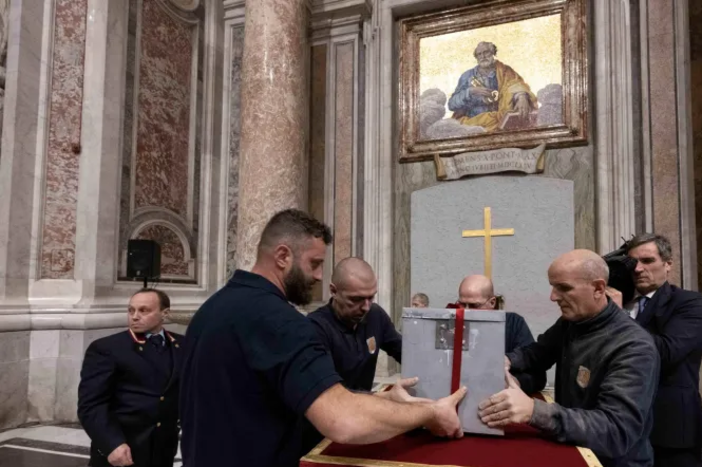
x=158 y=424
x=163 y=398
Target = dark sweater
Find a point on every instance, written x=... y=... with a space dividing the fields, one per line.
x=606 y=377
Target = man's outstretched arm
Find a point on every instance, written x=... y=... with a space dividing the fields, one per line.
x=351 y=418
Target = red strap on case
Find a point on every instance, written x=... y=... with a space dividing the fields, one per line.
x=457 y=351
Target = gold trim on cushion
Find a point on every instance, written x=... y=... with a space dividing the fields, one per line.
x=354 y=462
x=316 y=456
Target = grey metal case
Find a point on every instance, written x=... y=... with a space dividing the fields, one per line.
x=427 y=352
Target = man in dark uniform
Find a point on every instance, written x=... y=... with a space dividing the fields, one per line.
x=354 y=328
x=673 y=317
x=255 y=365
x=477 y=292
x=606 y=371
x=128 y=392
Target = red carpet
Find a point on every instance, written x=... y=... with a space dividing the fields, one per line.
x=521 y=446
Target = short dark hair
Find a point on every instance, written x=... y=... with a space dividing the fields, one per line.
x=295 y=226
x=163 y=300
x=665 y=250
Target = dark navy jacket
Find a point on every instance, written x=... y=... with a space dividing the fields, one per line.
x=673 y=316
x=128 y=393
x=606 y=377
x=254 y=366
x=517 y=334
x=355 y=351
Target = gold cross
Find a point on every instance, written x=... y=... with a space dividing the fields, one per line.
x=488 y=232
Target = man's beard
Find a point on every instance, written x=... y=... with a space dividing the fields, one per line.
x=298 y=288
x=487 y=63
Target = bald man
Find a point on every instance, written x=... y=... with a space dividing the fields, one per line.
x=606 y=370
x=477 y=292
x=353 y=327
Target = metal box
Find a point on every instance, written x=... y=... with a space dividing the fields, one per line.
x=427 y=352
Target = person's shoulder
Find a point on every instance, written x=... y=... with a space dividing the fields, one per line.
x=503 y=66
x=514 y=317
x=378 y=313
x=236 y=303
x=112 y=342
x=632 y=334
x=684 y=294
x=176 y=336
x=321 y=314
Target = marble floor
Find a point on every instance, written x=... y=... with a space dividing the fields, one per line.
x=47 y=446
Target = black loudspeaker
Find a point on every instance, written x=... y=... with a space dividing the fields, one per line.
x=143 y=259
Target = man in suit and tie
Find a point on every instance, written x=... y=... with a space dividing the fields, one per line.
x=128 y=393
x=673 y=316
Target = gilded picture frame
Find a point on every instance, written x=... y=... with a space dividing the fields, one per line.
x=537 y=95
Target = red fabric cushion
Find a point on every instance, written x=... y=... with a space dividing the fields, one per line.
x=521 y=446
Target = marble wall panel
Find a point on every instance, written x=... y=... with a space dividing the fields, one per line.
x=343 y=151
x=14 y=346
x=664 y=130
x=63 y=153
x=577 y=164
x=161 y=178
x=67 y=379
x=318 y=122
x=163 y=133
x=128 y=134
x=696 y=107
x=173 y=259
x=14 y=377
x=41 y=391
x=237 y=50
x=44 y=344
x=71 y=343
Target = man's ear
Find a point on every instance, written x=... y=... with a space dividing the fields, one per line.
x=164 y=313
x=600 y=286
x=332 y=289
x=283 y=256
x=492 y=302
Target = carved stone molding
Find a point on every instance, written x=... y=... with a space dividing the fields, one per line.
x=614 y=139
x=186 y=5
x=183 y=10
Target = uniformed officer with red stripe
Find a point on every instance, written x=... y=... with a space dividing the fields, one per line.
x=128 y=393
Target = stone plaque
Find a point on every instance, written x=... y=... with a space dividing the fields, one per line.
x=530 y=220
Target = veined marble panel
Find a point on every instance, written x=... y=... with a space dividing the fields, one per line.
x=162 y=156
x=163 y=134
x=344 y=150
x=696 y=86
x=41 y=391
x=14 y=346
x=173 y=255
x=237 y=51
x=13 y=393
x=61 y=189
x=318 y=121
x=67 y=379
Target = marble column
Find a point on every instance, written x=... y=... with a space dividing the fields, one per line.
x=667 y=133
x=273 y=158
